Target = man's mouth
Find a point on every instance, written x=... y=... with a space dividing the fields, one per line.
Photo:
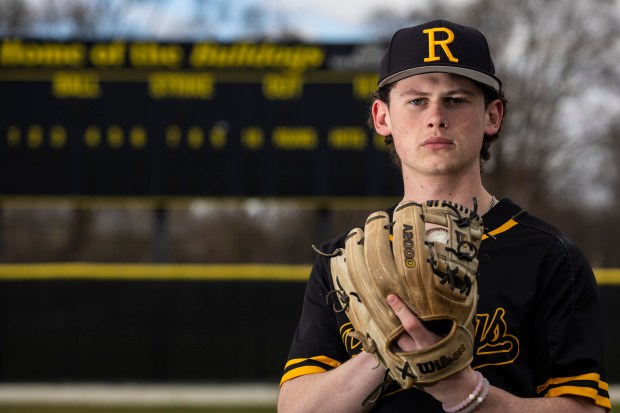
x=437 y=141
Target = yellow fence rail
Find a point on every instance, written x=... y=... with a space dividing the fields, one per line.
x=188 y=272
x=154 y=272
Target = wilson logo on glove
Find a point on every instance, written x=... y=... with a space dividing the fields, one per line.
x=440 y=364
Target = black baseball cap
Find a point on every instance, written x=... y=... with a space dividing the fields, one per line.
x=439 y=46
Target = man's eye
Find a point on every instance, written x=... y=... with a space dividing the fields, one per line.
x=455 y=100
x=417 y=102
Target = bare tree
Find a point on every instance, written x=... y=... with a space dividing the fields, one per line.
x=153 y=19
x=14 y=17
x=80 y=18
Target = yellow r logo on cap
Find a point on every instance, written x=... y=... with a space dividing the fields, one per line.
x=432 y=43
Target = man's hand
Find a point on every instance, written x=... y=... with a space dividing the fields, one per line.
x=417 y=336
x=452 y=389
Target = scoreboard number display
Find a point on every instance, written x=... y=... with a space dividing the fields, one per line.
x=190 y=119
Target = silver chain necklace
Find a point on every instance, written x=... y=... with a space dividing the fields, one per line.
x=493 y=201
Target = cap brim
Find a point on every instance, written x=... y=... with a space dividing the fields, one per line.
x=469 y=73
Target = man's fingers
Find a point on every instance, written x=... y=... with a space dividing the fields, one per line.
x=417 y=335
x=409 y=321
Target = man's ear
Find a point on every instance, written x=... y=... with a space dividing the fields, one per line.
x=381 y=117
x=494 y=116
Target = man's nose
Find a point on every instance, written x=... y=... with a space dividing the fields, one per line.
x=437 y=116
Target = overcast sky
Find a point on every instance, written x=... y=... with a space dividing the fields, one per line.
x=313 y=20
x=318 y=20
x=325 y=20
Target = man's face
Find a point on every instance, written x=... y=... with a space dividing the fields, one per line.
x=438 y=122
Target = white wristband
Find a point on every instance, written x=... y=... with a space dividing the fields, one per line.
x=475 y=398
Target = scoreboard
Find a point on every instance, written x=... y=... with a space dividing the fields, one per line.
x=190 y=119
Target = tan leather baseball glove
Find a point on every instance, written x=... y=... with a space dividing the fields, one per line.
x=427 y=256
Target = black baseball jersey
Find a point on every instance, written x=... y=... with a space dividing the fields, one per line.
x=538 y=325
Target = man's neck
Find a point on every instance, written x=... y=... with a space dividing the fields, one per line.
x=461 y=190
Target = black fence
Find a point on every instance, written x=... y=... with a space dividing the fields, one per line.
x=167 y=330
x=163 y=331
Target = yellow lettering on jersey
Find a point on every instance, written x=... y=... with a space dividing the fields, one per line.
x=352 y=344
x=433 y=43
x=493 y=340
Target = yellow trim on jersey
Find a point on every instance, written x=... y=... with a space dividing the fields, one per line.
x=305 y=369
x=587 y=392
x=321 y=359
x=561 y=380
x=301 y=371
x=562 y=387
x=502 y=228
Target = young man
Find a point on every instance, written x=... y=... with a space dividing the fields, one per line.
x=538 y=330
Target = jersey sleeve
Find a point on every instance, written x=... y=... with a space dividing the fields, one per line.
x=317 y=346
x=570 y=331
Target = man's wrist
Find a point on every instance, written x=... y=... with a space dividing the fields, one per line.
x=454 y=389
x=473 y=400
